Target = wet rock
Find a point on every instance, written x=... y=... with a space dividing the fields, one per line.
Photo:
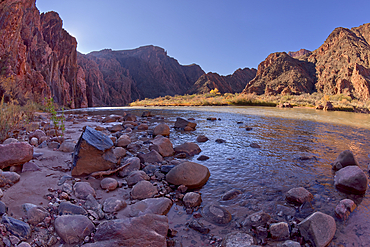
x=151 y=157
x=123 y=141
x=15 y=153
x=109 y=184
x=115 y=128
x=161 y=205
x=66 y=208
x=183 y=123
x=257 y=219
x=35 y=214
x=344 y=208
x=237 y=239
x=163 y=146
x=3 y=208
x=143 y=190
x=202 y=138
x=92 y=152
x=216 y=214
x=189 y=148
x=113 y=204
x=83 y=189
x=190 y=174
x=298 y=195
x=211 y=118
x=142 y=127
x=248 y=128
x=279 y=231
x=192 y=199
x=73 y=228
x=198 y=226
x=135 y=177
x=351 y=179
x=319 y=228
x=18 y=228
x=8 y=178
x=290 y=243
x=132 y=164
x=220 y=141
x=254 y=145
x=345 y=158
x=67 y=146
x=161 y=129
x=119 y=152
x=231 y=194
x=203 y=158
x=146 y=230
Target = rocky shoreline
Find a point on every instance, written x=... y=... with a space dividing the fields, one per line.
x=111 y=181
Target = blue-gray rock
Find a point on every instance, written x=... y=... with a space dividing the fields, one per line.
x=18 y=228
x=66 y=208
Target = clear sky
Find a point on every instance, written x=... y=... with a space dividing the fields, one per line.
x=219 y=35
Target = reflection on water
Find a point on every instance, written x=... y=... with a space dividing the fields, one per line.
x=297 y=147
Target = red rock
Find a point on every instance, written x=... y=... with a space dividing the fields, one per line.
x=143 y=190
x=351 y=179
x=189 y=148
x=16 y=153
x=8 y=178
x=163 y=146
x=299 y=195
x=123 y=141
x=190 y=174
x=192 y=199
x=73 y=228
x=300 y=53
x=109 y=184
x=161 y=129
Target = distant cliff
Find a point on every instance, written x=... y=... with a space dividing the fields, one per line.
x=234 y=83
x=39 y=55
x=127 y=75
x=340 y=65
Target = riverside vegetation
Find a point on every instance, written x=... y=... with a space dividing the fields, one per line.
x=340 y=102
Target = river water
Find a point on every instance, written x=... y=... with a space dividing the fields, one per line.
x=296 y=148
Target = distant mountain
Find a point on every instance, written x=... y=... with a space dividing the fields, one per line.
x=340 y=65
x=234 y=83
x=145 y=72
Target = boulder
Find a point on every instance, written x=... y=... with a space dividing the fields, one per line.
x=280 y=231
x=189 y=148
x=237 y=239
x=73 y=228
x=161 y=129
x=83 y=189
x=163 y=146
x=16 y=227
x=130 y=117
x=131 y=164
x=151 y=157
x=143 y=190
x=202 y=138
x=345 y=158
x=136 y=176
x=146 y=230
x=8 y=178
x=92 y=153
x=192 y=199
x=160 y=205
x=190 y=174
x=15 y=153
x=344 y=208
x=298 y=195
x=319 y=228
x=123 y=141
x=113 y=204
x=184 y=124
x=216 y=214
x=351 y=179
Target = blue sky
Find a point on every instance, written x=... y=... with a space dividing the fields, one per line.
x=219 y=35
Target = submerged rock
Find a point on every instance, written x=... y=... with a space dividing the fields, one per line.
x=237 y=239
x=93 y=153
x=231 y=194
x=161 y=205
x=344 y=208
x=190 y=174
x=216 y=214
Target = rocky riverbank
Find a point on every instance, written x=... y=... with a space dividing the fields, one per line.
x=111 y=181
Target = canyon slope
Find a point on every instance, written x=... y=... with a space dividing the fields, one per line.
x=234 y=83
x=340 y=66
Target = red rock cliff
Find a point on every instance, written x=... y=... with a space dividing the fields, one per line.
x=39 y=55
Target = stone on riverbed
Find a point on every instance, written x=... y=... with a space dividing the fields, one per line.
x=123 y=141
x=351 y=179
x=192 y=199
x=279 y=231
x=161 y=205
x=231 y=194
x=344 y=208
x=299 y=195
x=163 y=146
x=135 y=177
x=189 y=148
x=143 y=190
x=132 y=164
x=113 y=204
x=15 y=153
x=151 y=157
x=73 y=228
x=202 y=138
x=190 y=174
x=345 y=158
x=161 y=129
x=257 y=219
x=216 y=214
x=109 y=184
x=146 y=230
x=92 y=153
x=18 y=228
x=35 y=214
x=67 y=146
x=83 y=189
x=319 y=228
x=66 y=208
x=237 y=239
x=184 y=124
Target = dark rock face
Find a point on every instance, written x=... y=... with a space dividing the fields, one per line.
x=38 y=55
x=234 y=83
x=339 y=66
x=145 y=72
